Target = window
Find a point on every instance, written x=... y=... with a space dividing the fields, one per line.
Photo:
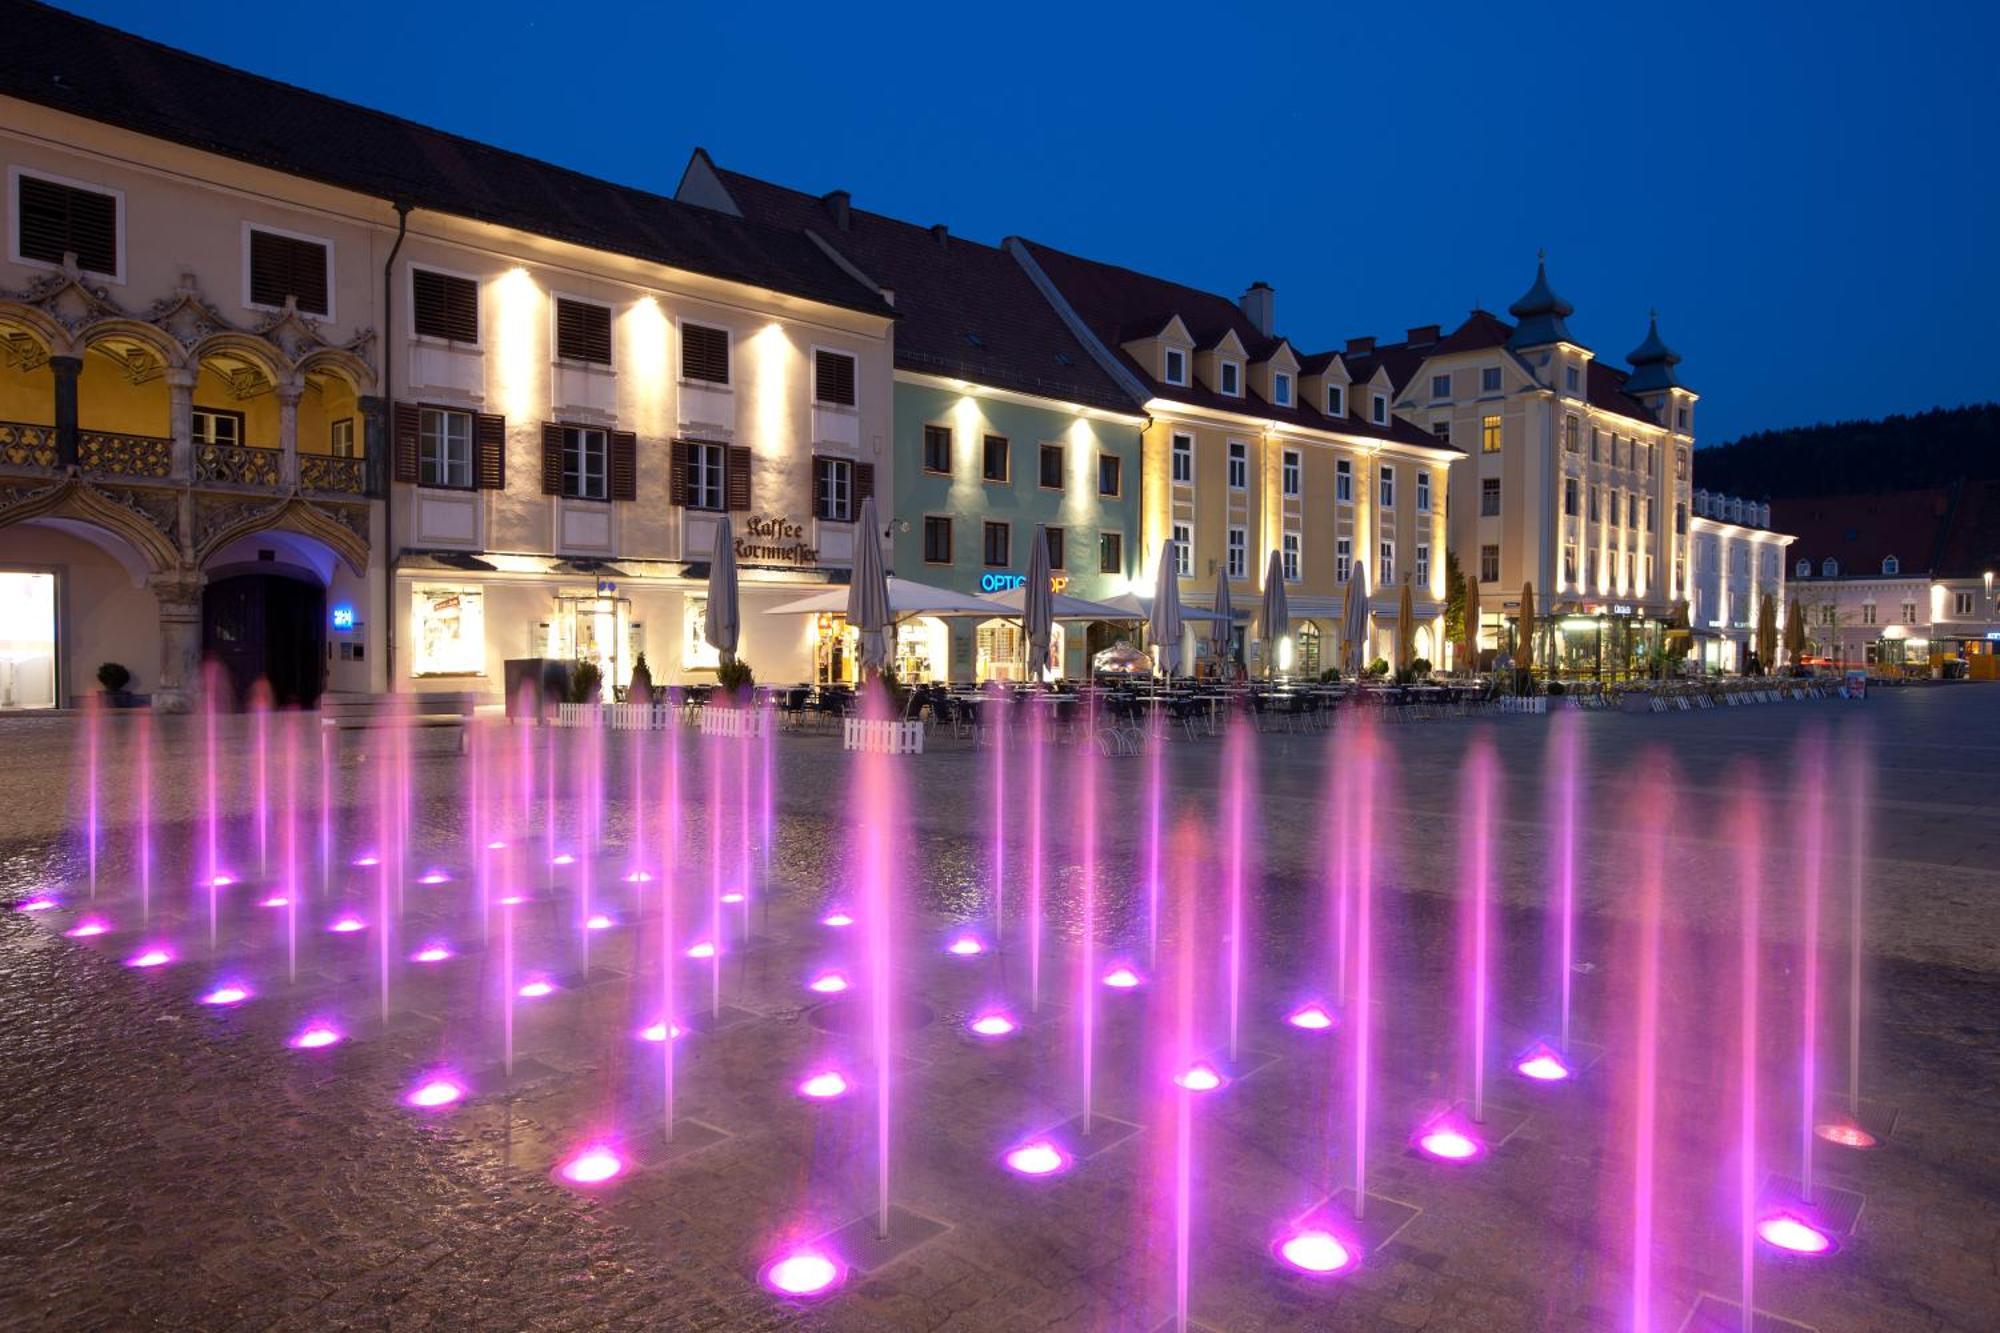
x=448 y=631
x=1628 y=570
x=1229 y=377
x=1239 y=465
x=706 y=464
x=833 y=378
x=1386 y=486
x=585 y=455
x=1343 y=481
x=1111 y=553
x=1489 y=379
x=937 y=449
x=1909 y=613
x=999 y=545
x=1239 y=553
x=1423 y=566
x=1632 y=509
x=1829 y=567
x=340 y=438
x=284 y=266
x=1489 y=434
x=1642 y=455
x=1184 y=460
x=1802 y=570
x=52 y=219
x=1680 y=463
x=1593 y=444
x=1423 y=492
x=1571 y=434
x=1680 y=520
x=1055 y=544
x=1868 y=613
x=1681 y=420
x=1379 y=410
x=1891 y=565
x=443 y=305
x=997 y=465
x=1292 y=472
x=937 y=540
x=1489 y=497
x=1387 y=571
x=1593 y=502
x=1052 y=467
x=1110 y=475
x=1570 y=378
x=1590 y=568
x=1290 y=557
x=1174 y=366
x=214 y=425
x=1652 y=511
x=1184 y=550
x=1489 y=564
x=1569 y=563
x=1281 y=388
x=1961 y=605
x=1441 y=386
x=583 y=332
x=444 y=448
x=1336 y=401
x=1569 y=496
x=1343 y=559
x=833 y=490
x=1442 y=429
x=704 y=354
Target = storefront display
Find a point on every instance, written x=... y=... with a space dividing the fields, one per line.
x=27 y=639
x=449 y=630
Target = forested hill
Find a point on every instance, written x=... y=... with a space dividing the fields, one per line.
x=1897 y=453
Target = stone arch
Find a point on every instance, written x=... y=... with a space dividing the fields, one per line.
x=339 y=361
x=55 y=339
x=73 y=498
x=151 y=336
x=248 y=347
x=292 y=515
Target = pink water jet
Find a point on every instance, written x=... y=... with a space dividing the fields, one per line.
x=1542 y=1064
x=965 y=946
x=1121 y=978
x=150 y=958
x=824 y=1086
x=594 y=1165
x=227 y=995
x=435 y=1094
x=827 y=983
x=83 y=930
x=536 y=989
x=1315 y=1252
x=432 y=953
x=1199 y=1078
x=1794 y=1235
x=993 y=1024
x=315 y=1036
x=801 y=1275
x=1038 y=1157
x=1310 y=1018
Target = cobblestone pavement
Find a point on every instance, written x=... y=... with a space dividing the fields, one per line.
x=166 y=1166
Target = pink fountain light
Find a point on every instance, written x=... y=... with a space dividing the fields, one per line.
x=1121 y=977
x=1310 y=1018
x=658 y=1031
x=88 y=927
x=1037 y=1157
x=315 y=1036
x=39 y=903
x=536 y=989
x=802 y=1275
x=497 y=845
x=562 y=859
x=369 y=860
x=704 y=949
x=993 y=1024
x=732 y=898
x=514 y=900
x=965 y=946
x=594 y=1165
x=639 y=877
x=1199 y=1078
x=838 y=920
x=824 y=1086
x=275 y=900
x=432 y=953
x=150 y=958
x=1541 y=1063
x=221 y=881
x=827 y=983
x=1315 y=1252
x=1846 y=1134
x=347 y=924
x=434 y=877
x=1794 y=1235
x=227 y=994
x=598 y=921
x=435 y=1094
x=1449 y=1143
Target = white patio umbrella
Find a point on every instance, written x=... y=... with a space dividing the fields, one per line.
x=1062 y=606
x=1163 y=627
x=1354 y=619
x=907 y=598
x=868 y=591
x=722 y=619
x=1224 y=630
x=1277 y=615
x=1037 y=610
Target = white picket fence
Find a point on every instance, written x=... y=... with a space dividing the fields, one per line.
x=1524 y=703
x=882 y=737
x=618 y=717
x=732 y=721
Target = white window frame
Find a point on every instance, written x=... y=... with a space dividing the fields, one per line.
x=1379 y=409
x=1343 y=481
x=1167 y=375
x=1281 y=388
x=1226 y=371
x=333 y=444
x=1343 y=559
x=1421 y=568
x=239 y=422
x=13 y=202
x=1891 y=566
x=1183 y=550
x=1238 y=553
x=1962 y=603
x=1446 y=394
x=1289 y=557
x=1239 y=465
x=577 y=483
x=1385 y=487
x=1179 y=454
x=1292 y=473
x=842 y=471
x=443 y=445
x=1336 y=400
x=323 y=241
x=1423 y=492
x=708 y=464
x=1386 y=566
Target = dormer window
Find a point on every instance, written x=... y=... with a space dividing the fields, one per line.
x=1829 y=568
x=1570 y=378
x=1281 y=388
x=1174 y=367
x=1229 y=378
x=1802 y=570
x=1379 y=411
x=1336 y=401
x=1891 y=565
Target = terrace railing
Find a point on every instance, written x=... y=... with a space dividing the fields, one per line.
x=237 y=465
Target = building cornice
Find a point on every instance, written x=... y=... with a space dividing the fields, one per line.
x=973 y=388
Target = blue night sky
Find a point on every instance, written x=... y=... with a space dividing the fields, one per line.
x=1806 y=192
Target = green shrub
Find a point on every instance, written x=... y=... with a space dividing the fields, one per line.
x=735 y=677
x=1330 y=676
x=586 y=679
x=1379 y=667
x=1420 y=667
x=114 y=677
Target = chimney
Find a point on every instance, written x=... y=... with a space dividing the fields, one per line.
x=1424 y=335
x=836 y=202
x=1260 y=307
x=1360 y=346
x=941 y=234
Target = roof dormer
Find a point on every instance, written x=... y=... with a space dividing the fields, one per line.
x=1220 y=368
x=1167 y=355
x=1276 y=378
x=1324 y=386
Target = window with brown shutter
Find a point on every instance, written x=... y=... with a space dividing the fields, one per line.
x=624 y=465
x=53 y=220
x=552 y=458
x=738 y=477
x=704 y=354
x=445 y=306
x=282 y=266
x=583 y=332
x=833 y=378
x=864 y=482
x=677 y=474
x=489 y=439
x=408 y=421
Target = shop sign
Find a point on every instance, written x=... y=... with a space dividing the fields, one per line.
x=999 y=582
x=773 y=539
x=343 y=616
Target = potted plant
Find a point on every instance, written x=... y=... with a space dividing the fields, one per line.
x=586 y=682
x=735 y=679
x=641 y=689
x=1421 y=667
x=114 y=677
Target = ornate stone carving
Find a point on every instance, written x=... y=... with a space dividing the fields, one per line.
x=125 y=455
x=159 y=508
x=322 y=472
x=24 y=445
x=236 y=465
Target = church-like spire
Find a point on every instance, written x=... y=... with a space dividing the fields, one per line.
x=1653 y=362
x=1540 y=313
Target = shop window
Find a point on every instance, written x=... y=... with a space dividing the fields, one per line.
x=27 y=639
x=697 y=653
x=450 y=631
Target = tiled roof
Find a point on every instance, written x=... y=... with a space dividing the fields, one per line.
x=1120 y=305
x=1971 y=543
x=1606 y=390
x=1859 y=531
x=71 y=64
x=1481 y=329
x=967 y=310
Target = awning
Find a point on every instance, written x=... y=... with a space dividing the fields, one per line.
x=1066 y=607
x=906 y=598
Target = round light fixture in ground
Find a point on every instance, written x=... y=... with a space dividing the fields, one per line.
x=347 y=925
x=316 y=1036
x=431 y=953
x=276 y=900
x=562 y=859
x=993 y=1024
x=1449 y=1144
x=1121 y=978
x=703 y=949
x=1037 y=1157
x=639 y=877
x=1847 y=1134
x=496 y=845
x=1199 y=1078
x=88 y=927
x=150 y=958
x=1315 y=1252
x=658 y=1031
x=227 y=994
x=732 y=898
x=598 y=921
x=435 y=1093
x=221 y=881
x=594 y=1165
x=824 y=1086
x=838 y=920
x=369 y=860
x=434 y=877
x=38 y=903
x=1541 y=1063
x=827 y=983
x=1794 y=1235
x=801 y=1274
x=965 y=946
x=1310 y=1018
x=537 y=989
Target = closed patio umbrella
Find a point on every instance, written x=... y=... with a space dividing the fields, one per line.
x=1277 y=615
x=1354 y=620
x=1469 y=629
x=1767 y=632
x=1406 y=629
x=1037 y=605
x=1164 y=625
x=868 y=591
x=1224 y=630
x=722 y=619
x=1795 y=633
x=1525 y=658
